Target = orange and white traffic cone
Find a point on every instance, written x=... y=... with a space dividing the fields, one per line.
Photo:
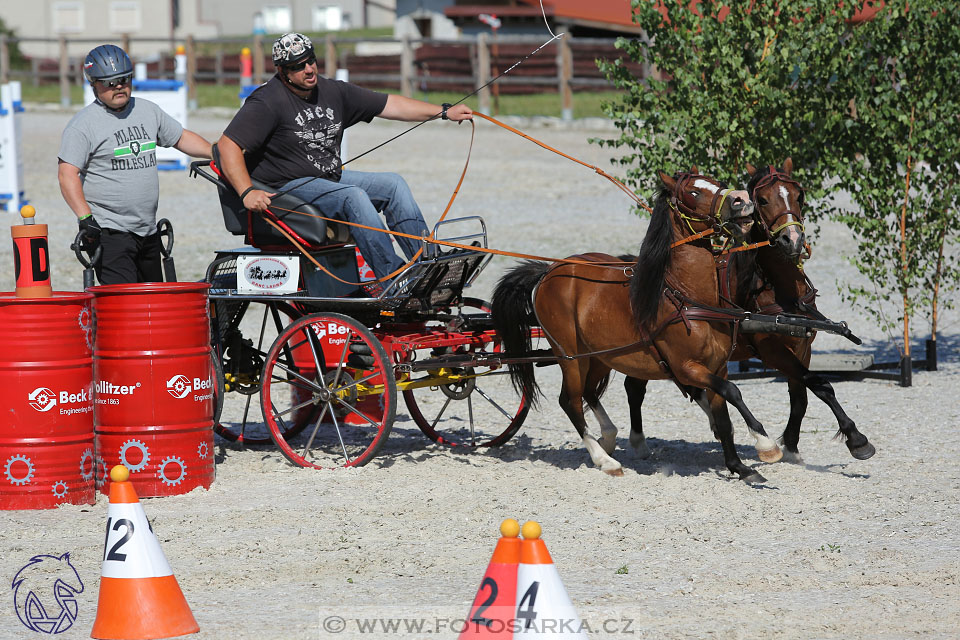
x=492 y=610
x=543 y=608
x=139 y=597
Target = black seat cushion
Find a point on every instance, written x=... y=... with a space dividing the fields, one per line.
x=287 y=207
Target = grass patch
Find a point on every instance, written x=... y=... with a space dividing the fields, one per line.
x=585 y=105
x=49 y=93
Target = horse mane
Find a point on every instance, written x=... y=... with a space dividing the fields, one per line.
x=650 y=272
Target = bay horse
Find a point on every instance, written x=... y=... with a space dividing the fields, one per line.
x=780 y=286
x=660 y=318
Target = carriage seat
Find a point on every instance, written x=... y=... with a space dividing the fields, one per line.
x=239 y=221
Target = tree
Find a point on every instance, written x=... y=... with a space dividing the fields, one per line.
x=875 y=105
x=897 y=156
x=739 y=82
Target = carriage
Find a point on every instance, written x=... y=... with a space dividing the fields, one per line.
x=319 y=369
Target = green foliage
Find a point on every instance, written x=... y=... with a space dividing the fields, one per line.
x=867 y=104
x=622 y=571
x=747 y=88
x=902 y=83
x=16 y=57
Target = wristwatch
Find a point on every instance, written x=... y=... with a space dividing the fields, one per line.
x=443 y=114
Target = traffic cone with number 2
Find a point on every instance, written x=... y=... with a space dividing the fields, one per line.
x=492 y=609
x=139 y=596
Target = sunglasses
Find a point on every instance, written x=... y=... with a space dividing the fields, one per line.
x=116 y=82
x=301 y=65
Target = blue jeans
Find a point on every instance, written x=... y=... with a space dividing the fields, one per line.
x=359 y=197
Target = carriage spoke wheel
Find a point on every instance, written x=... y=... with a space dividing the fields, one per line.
x=478 y=407
x=330 y=372
x=253 y=327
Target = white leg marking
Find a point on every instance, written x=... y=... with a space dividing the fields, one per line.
x=600 y=457
x=608 y=430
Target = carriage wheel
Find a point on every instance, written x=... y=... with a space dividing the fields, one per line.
x=479 y=408
x=330 y=370
x=251 y=328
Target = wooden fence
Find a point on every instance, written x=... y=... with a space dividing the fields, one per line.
x=564 y=66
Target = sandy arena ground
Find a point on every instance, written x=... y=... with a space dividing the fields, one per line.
x=677 y=548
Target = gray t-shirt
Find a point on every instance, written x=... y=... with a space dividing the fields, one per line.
x=116 y=154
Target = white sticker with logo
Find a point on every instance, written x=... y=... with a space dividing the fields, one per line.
x=268 y=274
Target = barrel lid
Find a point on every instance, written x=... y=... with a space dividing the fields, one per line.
x=149 y=288
x=58 y=297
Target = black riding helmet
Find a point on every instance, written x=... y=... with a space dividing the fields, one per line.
x=291 y=48
x=107 y=62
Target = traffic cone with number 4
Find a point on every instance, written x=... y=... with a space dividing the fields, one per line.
x=139 y=596
x=544 y=609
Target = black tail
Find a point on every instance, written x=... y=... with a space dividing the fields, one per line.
x=513 y=318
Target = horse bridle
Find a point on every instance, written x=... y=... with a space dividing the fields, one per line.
x=774 y=229
x=689 y=215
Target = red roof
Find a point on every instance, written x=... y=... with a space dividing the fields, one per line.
x=606 y=11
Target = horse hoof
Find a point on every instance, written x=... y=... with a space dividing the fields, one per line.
x=863 y=452
x=770 y=455
x=754 y=478
x=609 y=446
x=793 y=457
x=614 y=472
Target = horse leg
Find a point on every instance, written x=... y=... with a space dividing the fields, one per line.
x=608 y=430
x=767 y=449
x=860 y=448
x=801 y=379
x=791 y=434
x=571 y=401
x=716 y=409
x=636 y=389
x=596 y=379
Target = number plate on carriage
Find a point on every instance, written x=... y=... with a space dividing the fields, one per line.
x=268 y=274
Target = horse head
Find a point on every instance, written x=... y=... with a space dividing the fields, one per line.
x=703 y=202
x=779 y=200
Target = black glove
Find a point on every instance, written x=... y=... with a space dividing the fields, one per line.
x=90 y=228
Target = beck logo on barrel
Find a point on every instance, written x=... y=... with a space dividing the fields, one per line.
x=42 y=399
x=180 y=386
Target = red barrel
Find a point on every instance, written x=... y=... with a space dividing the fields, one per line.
x=154 y=386
x=46 y=381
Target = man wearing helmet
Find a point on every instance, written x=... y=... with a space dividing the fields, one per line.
x=288 y=133
x=108 y=168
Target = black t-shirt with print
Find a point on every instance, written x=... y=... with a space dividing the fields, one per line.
x=287 y=137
